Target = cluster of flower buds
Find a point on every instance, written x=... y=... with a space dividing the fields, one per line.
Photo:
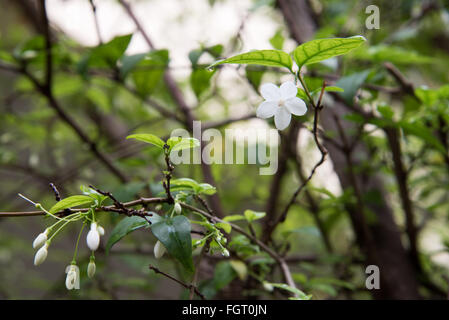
x=93 y=236
x=41 y=241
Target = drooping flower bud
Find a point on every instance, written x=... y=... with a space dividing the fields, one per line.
x=93 y=237
x=72 y=281
x=41 y=255
x=268 y=286
x=159 y=249
x=100 y=230
x=178 y=208
x=40 y=239
x=225 y=253
x=91 y=268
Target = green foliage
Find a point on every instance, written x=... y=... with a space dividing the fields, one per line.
x=174 y=234
x=148 y=138
x=124 y=227
x=321 y=49
x=70 y=202
x=272 y=58
x=192 y=185
x=105 y=55
x=299 y=294
x=148 y=72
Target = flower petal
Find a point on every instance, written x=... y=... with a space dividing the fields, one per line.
x=282 y=118
x=267 y=109
x=270 y=92
x=288 y=90
x=296 y=106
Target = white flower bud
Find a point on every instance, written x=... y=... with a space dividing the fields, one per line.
x=100 y=230
x=159 y=249
x=40 y=239
x=41 y=255
x=93 y=237
x=178 y=208
x=72 y=281
x=225 y=253
x=268 y=286
x=91 y=268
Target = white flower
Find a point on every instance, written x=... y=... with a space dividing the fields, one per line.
x=93 y=237
x=100 y=230
x=280 y=102
x=40 y=239
x=178 y=208
x=41 y=255
x=159 y=249
x=91 y=268
x=72 y=281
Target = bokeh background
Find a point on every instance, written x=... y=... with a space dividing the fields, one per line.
x=37 y=148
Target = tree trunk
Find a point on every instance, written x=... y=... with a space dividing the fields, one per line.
x=379 y=240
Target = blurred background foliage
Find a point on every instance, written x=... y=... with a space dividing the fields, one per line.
x=111 y=90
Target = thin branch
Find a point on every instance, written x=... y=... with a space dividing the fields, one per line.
x=97 y=25
x=404 y=194
x=317 y=109
x=179 y=100
x=204 y=249
x=187 y=286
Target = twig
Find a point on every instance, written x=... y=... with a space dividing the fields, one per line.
x=168 y=175
x=179 y=100
x=187 y=286
x=55 y=190
x=97 y=25
x=401 y=179
x=317 y=108
x=204 y=249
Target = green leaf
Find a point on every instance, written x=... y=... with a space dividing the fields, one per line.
x=234 y=217
x=129 y=62
x=207 y=189
x=174 y=233
x=223 y=275
x=251 y=215
x=351 y=85
x=277 y=40
x=104 y=55
x=395 y=55
x=190 y=184
x=126 y=226
x=185 y=182
x=70 y=202
x=254 y=75
x=321 y=49
x=177 y=144
x=386 y=111
x=149 y=71
x=300 y=295
x=148 y=138
x=271 y=58
x=420 y=131
x=225 y=226
x=240 y=268
x=200 y=81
